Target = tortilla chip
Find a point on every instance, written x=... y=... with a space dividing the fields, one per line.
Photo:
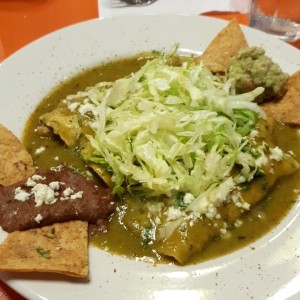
x=15 y=162
x=286 y=108
x=223 y=47
x=59 y=248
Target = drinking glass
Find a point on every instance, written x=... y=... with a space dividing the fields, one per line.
x=280 y=18
x=138 y=2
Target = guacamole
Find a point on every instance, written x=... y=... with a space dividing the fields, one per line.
x=251 y=68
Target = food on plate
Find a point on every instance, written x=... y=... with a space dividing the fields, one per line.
x=58 y=248
x=13 y=167
x=47 y=197
x=191 y=159
x=223 y=47
x=58 y=120
x=285 y=109
x=251 y=68
x=186 y=155
x=248 y=66
x=199 y=232
x=51 y=196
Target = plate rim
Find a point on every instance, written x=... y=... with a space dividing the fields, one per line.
x=14 y=283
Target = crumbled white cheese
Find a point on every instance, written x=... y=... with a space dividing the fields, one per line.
x=68 y=192
x=223 y=231
x=243 y=204
x=238 y=223
x=236 y=196
x=174 y=213
x=211 y=211
x=43 y=194
x=154 y=208
x=54 y=185
x=148 y=234
x=183 y=229
x=191 y=218
x=188 y=198
x=37 y=177
x=56 y=158
x=38 y=218
x=40 y=150
x=77 y=195
x=30 y=182
x=21 y=195
x=262 y=160
x=56 y=168
x=227 y=235
x=276 y=153
x=207 y=203
x=253 y=133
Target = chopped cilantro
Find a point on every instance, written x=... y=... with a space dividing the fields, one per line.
x=142 y=78
x=216 y=238
x=52 y=234
x=260 y=175
x=42 y=252
x=266 y=147
x=255 y=153
x=264 y=182
x=245 y=186
x=49 y=236
x=179 y=201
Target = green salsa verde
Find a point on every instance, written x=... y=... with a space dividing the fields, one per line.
x=119 y=239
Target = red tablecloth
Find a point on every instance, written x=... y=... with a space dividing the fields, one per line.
x=21 y=22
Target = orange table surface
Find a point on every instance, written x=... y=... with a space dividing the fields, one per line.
x=23 y=21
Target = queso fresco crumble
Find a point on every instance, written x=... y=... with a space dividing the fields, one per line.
x=45 y=193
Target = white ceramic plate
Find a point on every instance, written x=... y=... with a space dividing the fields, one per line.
x=270 y=271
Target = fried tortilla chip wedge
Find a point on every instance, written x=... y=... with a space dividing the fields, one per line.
x=286 y=108
x=59 y=248
x=15 y=162
x=223 y=47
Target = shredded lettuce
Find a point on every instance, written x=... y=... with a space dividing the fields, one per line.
x=173 y=130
